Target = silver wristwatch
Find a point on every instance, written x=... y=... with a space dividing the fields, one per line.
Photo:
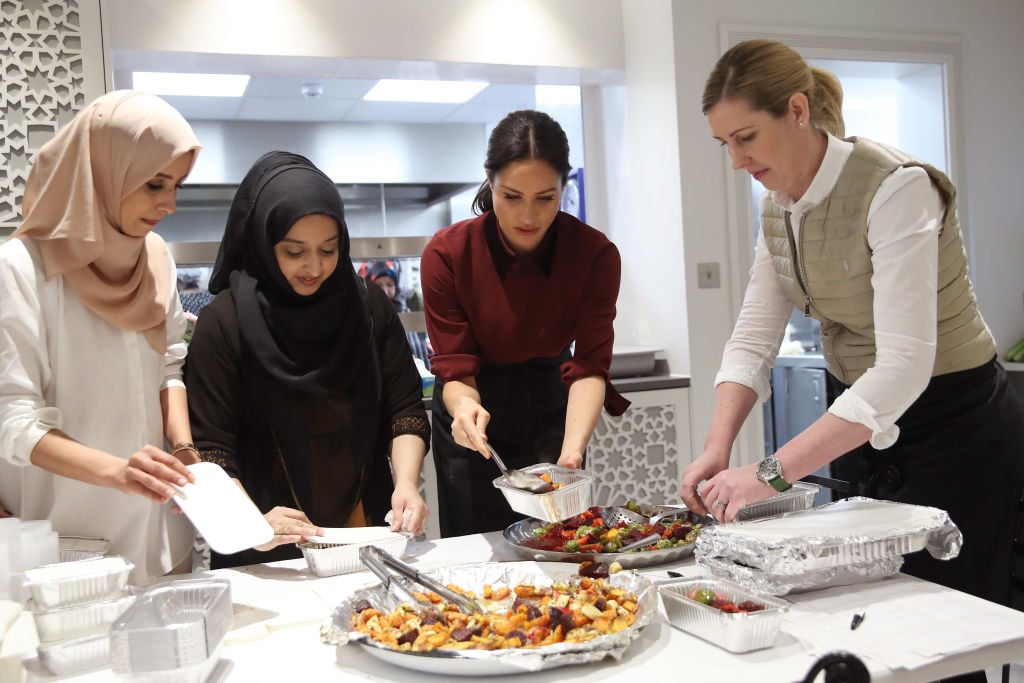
x=769 y=471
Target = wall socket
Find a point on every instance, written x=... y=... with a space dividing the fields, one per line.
x=707 y=276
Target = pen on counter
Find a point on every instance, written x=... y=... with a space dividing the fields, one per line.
x=857 y=620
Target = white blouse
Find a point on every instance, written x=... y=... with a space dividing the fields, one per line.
x=904 y=219
x=64 y=367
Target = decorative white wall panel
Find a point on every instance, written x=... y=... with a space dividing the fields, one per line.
x=640 y=455
x=44 y=81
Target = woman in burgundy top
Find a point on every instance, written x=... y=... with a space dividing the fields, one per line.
x=505 y=295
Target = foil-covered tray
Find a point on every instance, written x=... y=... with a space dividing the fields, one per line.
x=337 y=630
x=849 y=541
x=518 y=533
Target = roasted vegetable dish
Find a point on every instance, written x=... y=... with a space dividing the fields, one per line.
x=588 y=533
x=523 y=616
x=707 y=596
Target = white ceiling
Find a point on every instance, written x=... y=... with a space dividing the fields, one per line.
x=275 y=92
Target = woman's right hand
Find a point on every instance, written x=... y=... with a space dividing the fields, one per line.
x=290 y=526
x=710 y=463
x=153 y=473
x=469 y=426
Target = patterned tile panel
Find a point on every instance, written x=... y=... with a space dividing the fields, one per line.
x=41 y=87
x=636 y=456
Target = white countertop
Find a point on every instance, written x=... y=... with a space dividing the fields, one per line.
x=279 y=608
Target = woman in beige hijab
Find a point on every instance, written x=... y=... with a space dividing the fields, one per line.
x=94 y=430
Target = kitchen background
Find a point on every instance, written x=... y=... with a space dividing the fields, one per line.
x=656 y=183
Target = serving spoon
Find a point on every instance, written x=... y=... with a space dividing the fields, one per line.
x=518 y=479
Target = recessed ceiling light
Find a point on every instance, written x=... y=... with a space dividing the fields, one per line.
x=400 y=90
x=196 y=85
x=557 y=94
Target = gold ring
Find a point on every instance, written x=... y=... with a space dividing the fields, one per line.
x=721 y=504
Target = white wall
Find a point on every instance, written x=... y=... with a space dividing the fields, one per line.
x=991 y=98
x=666 y=202
x=569 y=33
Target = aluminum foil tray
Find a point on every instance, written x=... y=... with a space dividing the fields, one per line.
x=328 y=559
x=850 y=536
x=75 y=655
x=490 y=663
x=575 y=494
x=73 y=583
x=812 y=579
x=80 y=620
x=518 y=533
x=799 y=497
x=172 y=626
x=732 y=631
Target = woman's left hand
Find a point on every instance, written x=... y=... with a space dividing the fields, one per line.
x=408 y=509
x=729 y=490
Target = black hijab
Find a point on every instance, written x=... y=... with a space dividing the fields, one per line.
x=315 y=349
x=312 y=343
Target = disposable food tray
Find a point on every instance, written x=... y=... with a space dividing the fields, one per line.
x=75 y=655
x=79 y=620
x=732 y=631
x=518 y=533
x=473 y=577
x=172 y=626
x=855 y=539
x=73 y=583
x=330 y=559
x=574 y=495
x=799 y=497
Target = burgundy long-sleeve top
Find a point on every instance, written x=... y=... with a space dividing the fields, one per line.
x=486 y=304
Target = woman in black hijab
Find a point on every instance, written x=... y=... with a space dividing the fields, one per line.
x=301 y=382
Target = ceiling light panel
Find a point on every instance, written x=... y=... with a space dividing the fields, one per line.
x=190 y=85
x=446 y=92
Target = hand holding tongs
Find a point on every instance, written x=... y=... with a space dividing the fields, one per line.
x=378 y=561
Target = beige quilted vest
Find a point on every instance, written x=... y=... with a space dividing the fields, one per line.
x=832 y=280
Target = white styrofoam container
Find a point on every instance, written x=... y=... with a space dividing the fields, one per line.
x=73 y=583
x=330 y=559
x=574 y=495
x=732 y=631
x=79 y=620
x=75 y=655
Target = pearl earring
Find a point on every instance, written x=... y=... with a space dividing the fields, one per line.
x=801 y=124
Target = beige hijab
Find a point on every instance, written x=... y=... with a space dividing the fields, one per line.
x=72 y=205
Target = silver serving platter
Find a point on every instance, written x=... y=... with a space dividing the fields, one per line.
x=497 y=662
x=520 y=532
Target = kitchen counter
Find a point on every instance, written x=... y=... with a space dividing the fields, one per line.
x=279 y=608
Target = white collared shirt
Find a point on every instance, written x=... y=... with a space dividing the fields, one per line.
x=64 y=367
x=904 y=220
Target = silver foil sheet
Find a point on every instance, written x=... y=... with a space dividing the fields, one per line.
x=852 y=540
x=496 y=662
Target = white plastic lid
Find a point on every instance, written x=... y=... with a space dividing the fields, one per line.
x=221 y=512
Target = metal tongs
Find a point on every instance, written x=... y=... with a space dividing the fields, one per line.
x=401 y=584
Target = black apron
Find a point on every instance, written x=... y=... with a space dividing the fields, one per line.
x=527 y=402
x=960 y=449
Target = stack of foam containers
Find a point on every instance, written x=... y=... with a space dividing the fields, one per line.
x=74 y=605
x=26 y=544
